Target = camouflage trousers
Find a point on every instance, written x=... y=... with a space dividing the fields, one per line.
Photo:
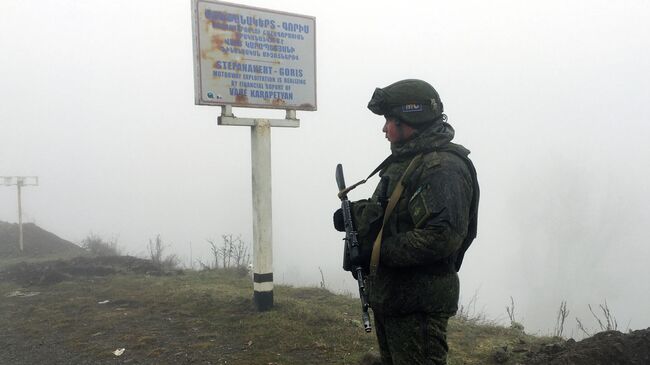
x=414 y=339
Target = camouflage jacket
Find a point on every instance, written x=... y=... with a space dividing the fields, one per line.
x=430 y=223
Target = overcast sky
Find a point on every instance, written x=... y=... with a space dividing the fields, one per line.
x=551 y=97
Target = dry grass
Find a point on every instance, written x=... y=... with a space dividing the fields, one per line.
x=208 y=316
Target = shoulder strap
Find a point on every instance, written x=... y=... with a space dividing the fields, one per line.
x=376 y=170
x=394 y=197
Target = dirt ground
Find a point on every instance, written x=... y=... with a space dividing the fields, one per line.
x=88 y=315
x=605 y=348
x=47 y=324
x=23 y=347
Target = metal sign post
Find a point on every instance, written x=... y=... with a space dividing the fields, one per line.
x=255 y=58
x=20 y=181
x=262 y=201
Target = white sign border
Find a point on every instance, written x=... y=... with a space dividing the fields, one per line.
x=198 y=96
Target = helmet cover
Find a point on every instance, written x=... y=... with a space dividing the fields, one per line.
x=412 y=101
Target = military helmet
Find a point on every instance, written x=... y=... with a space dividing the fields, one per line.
x=412 y=101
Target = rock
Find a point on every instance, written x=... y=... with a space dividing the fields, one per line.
x=501 y=355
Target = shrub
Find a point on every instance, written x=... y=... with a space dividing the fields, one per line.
x=232 y=254
x=97 y=246
x=156 y=254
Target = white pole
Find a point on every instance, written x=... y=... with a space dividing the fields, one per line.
x=20 y=181
x=20 y=217
x=262 y=220
x=191 y=261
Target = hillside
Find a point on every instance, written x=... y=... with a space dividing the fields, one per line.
x=82 y=310
x=37 y=242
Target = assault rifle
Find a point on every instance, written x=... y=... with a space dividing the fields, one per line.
x=352 y=253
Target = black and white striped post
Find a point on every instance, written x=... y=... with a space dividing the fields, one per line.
x=262 y=215
x=262 y=202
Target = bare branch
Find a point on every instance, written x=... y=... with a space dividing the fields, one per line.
x=581 y=327
x=562 y=315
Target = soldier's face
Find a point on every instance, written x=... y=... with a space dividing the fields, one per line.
x=397 y=132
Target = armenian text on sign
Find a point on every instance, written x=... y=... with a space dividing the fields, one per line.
x=253 y=57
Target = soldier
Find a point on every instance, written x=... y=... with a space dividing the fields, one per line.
x=413 y=241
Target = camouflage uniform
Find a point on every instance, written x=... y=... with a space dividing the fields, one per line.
x=415 y=289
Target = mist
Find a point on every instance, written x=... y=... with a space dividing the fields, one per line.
x=97 y=100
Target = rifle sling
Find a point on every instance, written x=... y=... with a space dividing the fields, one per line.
x=383 y=164
x=394 y=197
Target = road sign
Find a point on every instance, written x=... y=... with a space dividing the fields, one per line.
x=253 y=57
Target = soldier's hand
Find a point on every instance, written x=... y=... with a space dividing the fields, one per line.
x=339 y=222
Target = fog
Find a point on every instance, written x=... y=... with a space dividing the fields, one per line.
x=551 y=97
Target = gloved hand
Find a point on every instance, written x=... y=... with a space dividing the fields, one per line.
x=367 y=219
x=366 y=216
x=339 y=222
